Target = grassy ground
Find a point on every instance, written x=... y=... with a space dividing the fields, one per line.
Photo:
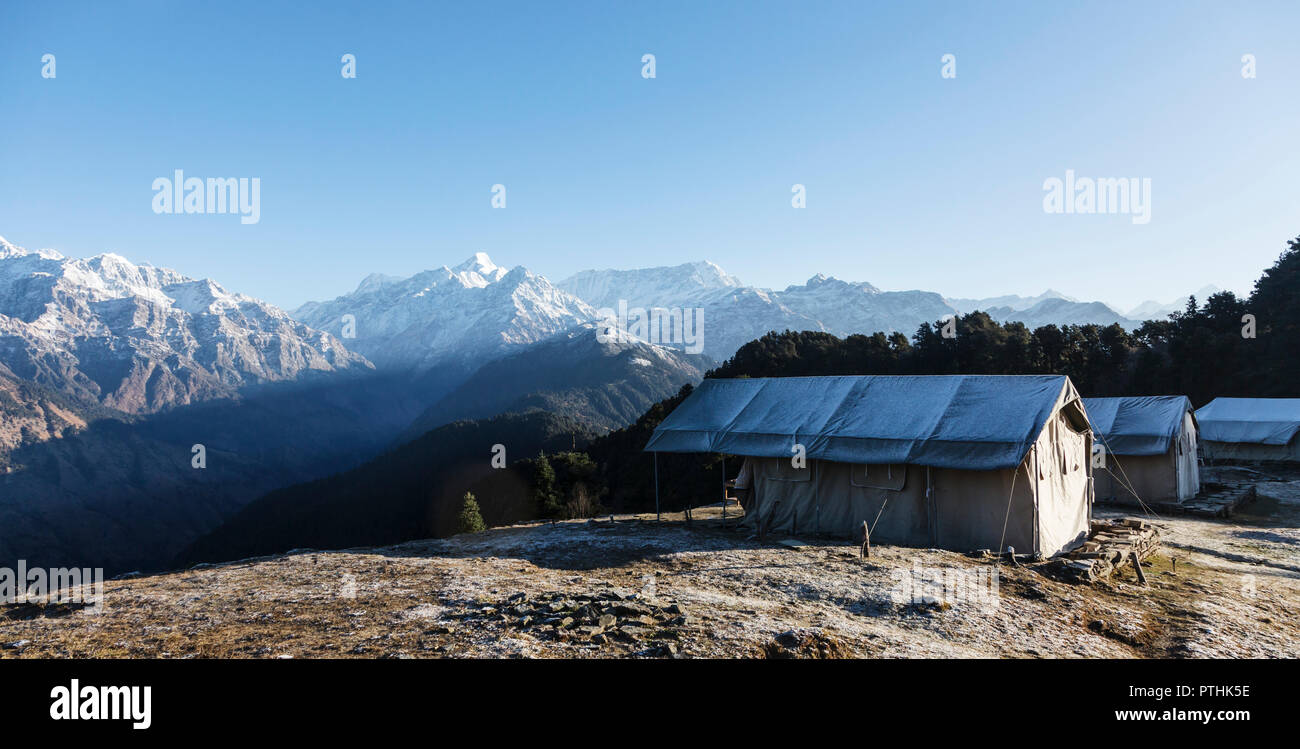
x=1218 y=588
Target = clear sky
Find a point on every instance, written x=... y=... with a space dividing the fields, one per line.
x=913 y=180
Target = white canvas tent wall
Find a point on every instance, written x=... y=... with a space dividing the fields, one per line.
x=1250 y=429
x=959 y=462
x=1150 y=448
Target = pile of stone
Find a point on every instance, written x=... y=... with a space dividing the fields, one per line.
x=1218 y=500
x=1112 y=545
x=648 y=625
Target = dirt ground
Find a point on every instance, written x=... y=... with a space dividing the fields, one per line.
x=639 y=588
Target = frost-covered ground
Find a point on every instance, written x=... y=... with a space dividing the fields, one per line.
x=1217 y=589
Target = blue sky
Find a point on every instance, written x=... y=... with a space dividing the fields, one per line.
x=913 y=180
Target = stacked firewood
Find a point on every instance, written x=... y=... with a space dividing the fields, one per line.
x=1110 y=546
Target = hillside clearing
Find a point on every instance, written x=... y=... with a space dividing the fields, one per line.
x=1217 y=589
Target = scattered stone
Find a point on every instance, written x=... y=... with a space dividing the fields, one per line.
x=592 y=618
x=805 y=643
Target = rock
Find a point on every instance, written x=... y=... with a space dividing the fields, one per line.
x=606 y=621
x=667 y=650
x=18 y=645
x=631 y=609
x=566 y=622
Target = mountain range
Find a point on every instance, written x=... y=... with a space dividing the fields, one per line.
x=734 y=313
x=1152 y=310
x=140 y=339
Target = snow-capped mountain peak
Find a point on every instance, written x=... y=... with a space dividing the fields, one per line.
x=456 y=317
x=479 y=263
x=684 y=285
x=140 y=338
x=478 y=271
x=10 y=250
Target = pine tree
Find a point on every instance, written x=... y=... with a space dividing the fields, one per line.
x=544 y=491
x=470 y=520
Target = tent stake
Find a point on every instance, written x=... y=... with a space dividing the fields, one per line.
x=866 y=541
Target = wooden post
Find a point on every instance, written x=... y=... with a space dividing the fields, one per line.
x=658 y=517
x=866 y=541
x=1137 y=567
x=724 y=491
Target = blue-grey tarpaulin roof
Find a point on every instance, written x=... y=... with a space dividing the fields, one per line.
x=1143 y=425
x=977 y=422
x=1266 y=421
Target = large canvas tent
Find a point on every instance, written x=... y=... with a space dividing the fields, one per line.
x=1250 y=429
x=958 y=462
x=1148 y=448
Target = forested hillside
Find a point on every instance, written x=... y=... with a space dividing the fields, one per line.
x=1200 y=352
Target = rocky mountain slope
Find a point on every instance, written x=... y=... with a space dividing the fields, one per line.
x=124 y=492
x=1058 y=312
x=141 y=339
x=111 y=374
x=411 y=491
x=605 y=385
